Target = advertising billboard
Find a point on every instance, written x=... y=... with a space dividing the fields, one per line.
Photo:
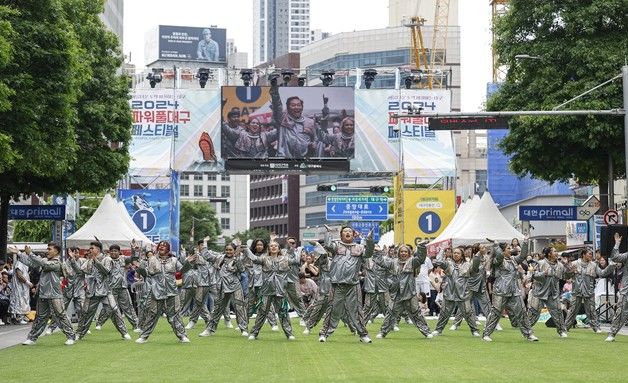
x=427 y=154
x=175 y=129
x=192 y=43
x=288 y=128
x=150 y=211
x=426 y=213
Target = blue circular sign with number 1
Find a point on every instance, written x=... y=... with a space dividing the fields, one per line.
x=429 y=222
x=145 y=220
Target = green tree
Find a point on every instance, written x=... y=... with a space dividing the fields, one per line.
x=580 y=45
x=32 y=231
x=244 y=236
x=7 y=155
x=202 y=218
x=70 y=122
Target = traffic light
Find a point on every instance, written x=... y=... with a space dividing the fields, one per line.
x=379 y=189
x=324 y=188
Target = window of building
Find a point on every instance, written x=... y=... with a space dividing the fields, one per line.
x=313 y=219
x=211 y=191
x=225 y=191
x=226 y=177
x=198 y=177
x=225 y=207
x=211 y=177
x=185 y=190
x=225 y=223
x=198 y=190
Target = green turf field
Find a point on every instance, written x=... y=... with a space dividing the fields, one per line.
x=404 y=356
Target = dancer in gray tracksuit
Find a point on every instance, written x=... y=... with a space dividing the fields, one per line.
x=254 y=299
x=50 y=299
x=97 y=271
x=119 y=289
x=229 y=289
x=346 y=261
x=583 y=292
x=317 y=309
x=376 y=290
x=506 y=293
x=163 y=292
x=203 y=280
x=403 y=270
x=455 y=292
x=188 y=287
x=476 y=286
x=275 y=266
x=74 y=291
x=621 y=312
x=292 y=279
x=546 y=291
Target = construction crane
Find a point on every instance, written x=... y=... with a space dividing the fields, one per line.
x=434 y=67
x=498 y=8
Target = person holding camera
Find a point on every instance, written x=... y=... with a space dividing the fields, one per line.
x=50 y=298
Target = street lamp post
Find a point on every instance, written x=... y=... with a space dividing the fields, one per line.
x=194 y=219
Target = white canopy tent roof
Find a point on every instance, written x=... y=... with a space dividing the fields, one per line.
x=387 y=239
x=480 y=220
x=111 y=225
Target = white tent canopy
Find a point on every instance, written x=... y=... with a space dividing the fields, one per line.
x=111 y=225
x=478 y=221
x=387 y=239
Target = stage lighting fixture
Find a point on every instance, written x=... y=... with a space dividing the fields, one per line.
x=246 y=75
x=369 y=77
x=327 y=77
x=203 y=76
x=155 y=77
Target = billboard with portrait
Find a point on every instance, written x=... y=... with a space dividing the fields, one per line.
x=288 y=128
x=192 y=43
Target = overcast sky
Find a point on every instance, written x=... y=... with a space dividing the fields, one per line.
x=329 y=15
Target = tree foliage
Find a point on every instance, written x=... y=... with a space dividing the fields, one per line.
x=244 y=236
x=580 y=45
x=32 y=231
x=205 y=223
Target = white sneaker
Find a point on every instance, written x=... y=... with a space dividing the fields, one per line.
x=533 y=338
x=28 y=342
x=275 y=328
x=137 y=330
x=487 y=338
x=251 y=337
x=429 y=336
x=302 y=323
x=563 y=335
x=453 y=327
x=306 y=331
x=89 y=332
x=98 y=327
x=370 y=322
x=2 y=323
x=599 y=331
x=366 y=339
x=22 y=321
x=126 y=336
x=228 y=324
x=498 y=327
x=141 y=340
x=435 y=333
x=69 y=342
x=396 y=328
x=379 y=336
x=185 y=339
x=244 y=333
x=205 y=333
x=291 y=337
x=48 y=331
x=190 y=325
x=475 y=334
x=610 y=338
x=322 y=339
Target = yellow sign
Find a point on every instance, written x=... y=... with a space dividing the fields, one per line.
x=426 y=213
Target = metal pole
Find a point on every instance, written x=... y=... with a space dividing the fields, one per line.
x=509 y=113
x=624 y=72
x=611 y=183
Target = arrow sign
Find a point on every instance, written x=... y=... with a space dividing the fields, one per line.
x=357 y=208
x=611 y=217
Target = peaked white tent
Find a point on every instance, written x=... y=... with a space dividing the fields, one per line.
x=111 y=225
x=387 y=239
x=478 y=221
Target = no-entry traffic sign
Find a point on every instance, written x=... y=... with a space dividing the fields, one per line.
x=611 y=217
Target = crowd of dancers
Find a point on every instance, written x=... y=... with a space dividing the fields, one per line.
x=389 y=287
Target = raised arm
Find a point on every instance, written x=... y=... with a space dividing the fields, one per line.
x=419 y=255
x=615 y=255
x=45 y=264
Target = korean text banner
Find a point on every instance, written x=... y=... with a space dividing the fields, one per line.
x=184 y=133
x=191 y=43
x=288 y=122
x=426 y=153
x=150 y=211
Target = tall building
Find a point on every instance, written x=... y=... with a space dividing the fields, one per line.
x=275 y=204
x=113 y=17
x=401 y=11
x=318 y=34
x=279 y=27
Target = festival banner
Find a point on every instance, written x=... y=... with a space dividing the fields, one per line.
x=150 y=211
x=175 y=129
x=426 y=154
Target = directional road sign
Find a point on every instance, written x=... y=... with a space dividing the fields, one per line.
x=611 y=217
x=363 y=227
x=357 y=208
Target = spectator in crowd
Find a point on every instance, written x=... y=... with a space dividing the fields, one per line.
x=5 y=297
x=309 y=268
x=308 y=289
x=436 y=278
x=20 y=292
